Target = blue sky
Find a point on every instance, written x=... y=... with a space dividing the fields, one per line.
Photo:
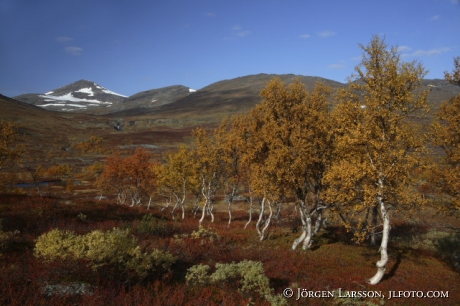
x=133 y=45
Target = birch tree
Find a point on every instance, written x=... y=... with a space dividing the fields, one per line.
x=208 y=155
x=179 y=176
x=446 y=134
x=289 y=148
x=230 y=137
x=377 y=148
x=131 y=177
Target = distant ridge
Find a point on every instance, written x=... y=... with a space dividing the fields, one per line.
x=225 y=96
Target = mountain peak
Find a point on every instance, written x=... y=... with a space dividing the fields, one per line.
x=80 y=95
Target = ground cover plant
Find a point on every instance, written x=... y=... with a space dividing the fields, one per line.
x=219 y=220
x=28 y=279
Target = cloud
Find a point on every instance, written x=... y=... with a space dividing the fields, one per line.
x=435 y=17
x=356 y=58
x=436 y=51
x=326 y=33
x=305 y=36
x=403 y=48
x=430 y=52
x=63 y=39
x=336 y=66
x=455 y=1
x=74 y=50
x=238 y=31
x=210 y=14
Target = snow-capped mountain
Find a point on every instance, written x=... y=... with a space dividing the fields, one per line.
x=89 y=97
x=81 y=95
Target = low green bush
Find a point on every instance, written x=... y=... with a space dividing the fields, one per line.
x=249 y=274
x=114 y=247
x=149 y=224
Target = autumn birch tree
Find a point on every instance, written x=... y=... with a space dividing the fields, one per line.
x=179 y=176
x=446 y=134
x=230 y=139
x=131 y=177
x=377 y=147
x=289 y=149
x=210 y=170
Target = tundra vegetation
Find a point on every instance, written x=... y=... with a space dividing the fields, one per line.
x=336 y=172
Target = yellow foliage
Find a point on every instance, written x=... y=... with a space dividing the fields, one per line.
x=92 y=145
x=377 y=148
x=446 y=134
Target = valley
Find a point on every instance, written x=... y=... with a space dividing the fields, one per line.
x=71 y=137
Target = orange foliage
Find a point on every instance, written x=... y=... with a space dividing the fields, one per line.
x=131 y=177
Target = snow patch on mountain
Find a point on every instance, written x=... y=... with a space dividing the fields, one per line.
x=191 y=90
x=109 y=91
x=65 y=104
x=88 y=91
x=71 y=98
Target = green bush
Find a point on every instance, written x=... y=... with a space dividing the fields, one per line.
x=100 y=248
x=152 y=225
x=249 y=274
x=198 y=275
x=205 y=233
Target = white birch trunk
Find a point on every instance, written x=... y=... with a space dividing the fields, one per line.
x=150 y=202
x=319 y=222
x=307 y=241
x=230 y=201
x=183 y=208
x=267 y=222
x=208 y=193
x=261 y=217
x=306 y=236
x=178 y=202
x=203 y=211
x=304 y=226
x=250 y=212
x=210 y=210
x=381 y=264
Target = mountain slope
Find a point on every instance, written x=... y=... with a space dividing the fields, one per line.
x=81 y=95
x=147 y=101
x=226 y=97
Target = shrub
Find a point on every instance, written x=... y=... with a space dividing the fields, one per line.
x=152 y=225
x=198 y=275
x=5 y=238
x=205 y=233
x=249 y=274
x=57 y=244
x=448 y=248
x=100 y=248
